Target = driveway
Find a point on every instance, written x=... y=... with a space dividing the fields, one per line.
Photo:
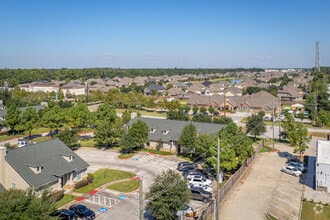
x=146 y=166
x=264 y=190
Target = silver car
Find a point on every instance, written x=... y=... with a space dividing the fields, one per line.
x=291 y=170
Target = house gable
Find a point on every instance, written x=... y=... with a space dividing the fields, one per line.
x=43 y=163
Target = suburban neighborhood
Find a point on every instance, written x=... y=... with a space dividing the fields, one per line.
x=186 y=117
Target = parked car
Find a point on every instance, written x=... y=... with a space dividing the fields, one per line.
x=64 y=214
x=291 y=170
x=300 y=166
x=191 y=173
x=83 y=212
x=198 y=193
x=186 y=164
x=188 y=169
x=180 y=164
x=188 y=211
x=207 y=188
x=199 y=179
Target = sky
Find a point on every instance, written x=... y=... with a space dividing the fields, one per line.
x=163 y=33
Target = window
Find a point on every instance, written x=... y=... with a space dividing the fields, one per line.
x=13 y=185
x=165 y=131
x=152 y=130
x=78 y=176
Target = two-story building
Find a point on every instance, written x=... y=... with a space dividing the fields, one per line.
x=46 y=165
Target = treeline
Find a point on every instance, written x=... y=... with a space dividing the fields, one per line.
x=18 y=76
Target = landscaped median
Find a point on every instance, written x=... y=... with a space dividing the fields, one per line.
x=118 y=180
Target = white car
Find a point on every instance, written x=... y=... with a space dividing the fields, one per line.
x=207 y=188
x=200 y=179
x=291 y=170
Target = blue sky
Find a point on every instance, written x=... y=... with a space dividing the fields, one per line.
x=163 y=33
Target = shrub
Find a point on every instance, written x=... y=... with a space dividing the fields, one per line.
x=57 y=195
x=90 y=177
x=80 y=184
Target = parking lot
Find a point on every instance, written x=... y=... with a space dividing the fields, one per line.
x=146 y=166
x=265 y=189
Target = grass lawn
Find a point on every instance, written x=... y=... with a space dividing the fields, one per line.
x=315 y=211
x=126 y=186
x=40 y=139
x=66 y=199
x=104 y=176
x=144 y=113
x=318 y=134
x=88 y=143
x=125 y=156
x=266 y=149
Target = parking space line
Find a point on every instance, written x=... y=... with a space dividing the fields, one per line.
x=287 y=187
x=282 y=200
x=288 y=195
x=283 y=210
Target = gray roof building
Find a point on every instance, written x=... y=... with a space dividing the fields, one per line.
x=170 y=130
x=44 y=163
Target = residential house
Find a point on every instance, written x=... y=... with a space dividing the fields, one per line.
x=165 y=134
x=74 y=88
x=290 y=94
x=261 y=101
x=40 y=86
x=216 y=101
x=46 y=165
x=322 y=166
x=175 y=92
x=154 y=87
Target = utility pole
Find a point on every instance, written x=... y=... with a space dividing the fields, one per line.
x=279 y=121
x=273 y=118
x=140 y=201
x=224 y=103
x=218 y=178
x=315 y=108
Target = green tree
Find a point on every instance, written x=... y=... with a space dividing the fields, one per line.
x=80 y=116
x=135 y=137
x=53 y=117
x=69 y=137
x=255 y=125
x=22 y=205
x=167 y=195
x=12 y=117
x=188 y=137
x=222 y=120
x=126 y=116
x=204 y=143
x=29 y=120
x=299 y=138
x=211 y=110
x=177 y=115
x=105 y=112
x=109 y=133
x=324 y=117
x=235 y=147
x=297 y=134
x=202 y=118
x=301 y=116
x=195 y=109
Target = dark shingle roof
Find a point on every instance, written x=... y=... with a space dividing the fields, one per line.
x=175 y=128
x=47 y=154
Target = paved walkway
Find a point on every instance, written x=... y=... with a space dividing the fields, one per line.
x=100 y=188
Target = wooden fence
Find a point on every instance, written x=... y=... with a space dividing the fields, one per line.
x=223 y=192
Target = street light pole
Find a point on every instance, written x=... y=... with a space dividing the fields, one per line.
x=218 y=172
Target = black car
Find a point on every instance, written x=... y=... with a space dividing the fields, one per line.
x=82 y=211
x=64 y=214
x=181 y=164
